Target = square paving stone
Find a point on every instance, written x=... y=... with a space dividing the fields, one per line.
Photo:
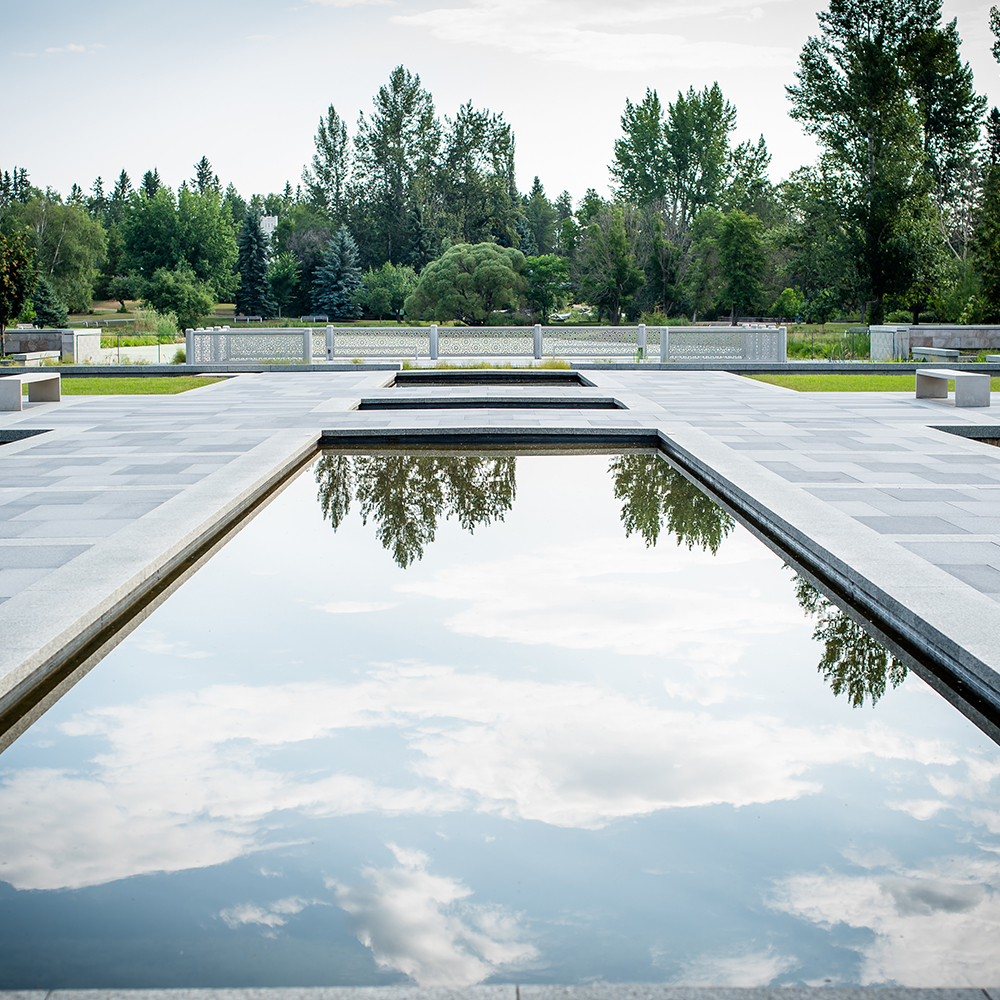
x=38 y=556
x=912 y=526
x=985 y=579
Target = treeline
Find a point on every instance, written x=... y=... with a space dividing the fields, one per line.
x=418 y=214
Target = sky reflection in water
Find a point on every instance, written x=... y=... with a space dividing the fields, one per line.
x=479 y=732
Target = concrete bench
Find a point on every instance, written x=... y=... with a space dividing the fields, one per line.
x=993 y=359
x=43 y=387
x=971 y=388
x=934 y=353
x=34 y=357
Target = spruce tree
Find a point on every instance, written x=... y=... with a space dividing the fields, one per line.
x=50 y=312
x=338 y=278
x=253 y=298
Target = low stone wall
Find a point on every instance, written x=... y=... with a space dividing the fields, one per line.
x=78 y=346
x=962 y=338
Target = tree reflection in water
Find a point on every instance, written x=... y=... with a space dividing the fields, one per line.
x=657 y=495
x=853 y=662
x=406 y=495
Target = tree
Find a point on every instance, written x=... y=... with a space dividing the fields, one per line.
x=742 y=257
x=475 y=193
x=189 y=230
x=657 y=496
x=338 y=278
x=151 y=182
x=469 y=283
x=406 y=496
x=179 y=291
x=253 y=297
x=17 y=279
x=205 y=179
x=541 y=218
x=884 y=91
x=853 y=663
x=331 y=167
x=639 y=166
x=69 y=245
x=384 y=292
x=548 y=279
x=396 y=147
x=49 y=309
x=788 y=304
x=607 y=264
x=284 y=280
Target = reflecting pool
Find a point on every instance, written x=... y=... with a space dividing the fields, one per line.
x=455 y=719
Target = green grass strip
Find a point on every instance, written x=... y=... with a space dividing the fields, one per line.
x=852 y=383
x=167 y=385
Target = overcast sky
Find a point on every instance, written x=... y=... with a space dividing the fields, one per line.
x=92 y=88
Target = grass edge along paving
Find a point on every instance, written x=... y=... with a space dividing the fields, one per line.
x=151 y=386
x=850 y=383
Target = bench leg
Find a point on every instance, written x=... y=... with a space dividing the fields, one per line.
x=973 y=391
x=931 y=387
x=48 y=391
x=10 y=393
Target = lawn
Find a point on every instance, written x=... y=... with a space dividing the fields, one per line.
x=168 y=384
x=851 y=383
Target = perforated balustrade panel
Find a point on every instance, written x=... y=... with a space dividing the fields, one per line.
x=379 y=342
x=724 y=344
x=235 y=346
x=486 y=341
x=605 y=341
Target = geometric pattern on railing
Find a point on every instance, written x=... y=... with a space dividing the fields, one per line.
x=725 y=344
x=379 y=341
x=603 y=341
x=485 y=341
x=232 y=346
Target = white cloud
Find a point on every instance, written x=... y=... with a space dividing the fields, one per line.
x=150 y=641
x=355 y=607
x=626 y=598
x=418 y=924
x=73 y=47
x=270 y=915
x=745 y=968
x=624 y=36
x=919 y=808
x=932 y=926
x=186 y=780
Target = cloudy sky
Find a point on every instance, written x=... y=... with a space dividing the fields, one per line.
x=111 y=84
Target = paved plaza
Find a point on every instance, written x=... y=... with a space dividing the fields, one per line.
x=119 y=489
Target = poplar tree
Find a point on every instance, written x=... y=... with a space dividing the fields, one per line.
x=884 y=91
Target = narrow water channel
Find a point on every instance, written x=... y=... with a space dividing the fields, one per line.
x=459 y=719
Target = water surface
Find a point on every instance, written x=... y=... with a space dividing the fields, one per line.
x=460 y=720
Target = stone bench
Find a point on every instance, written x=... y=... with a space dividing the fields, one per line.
x=43 y=387
x=34 y=357
x=934 y=353
x=971 y=388
x=993 y=359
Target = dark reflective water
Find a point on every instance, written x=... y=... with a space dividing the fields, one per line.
x=478 y=719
